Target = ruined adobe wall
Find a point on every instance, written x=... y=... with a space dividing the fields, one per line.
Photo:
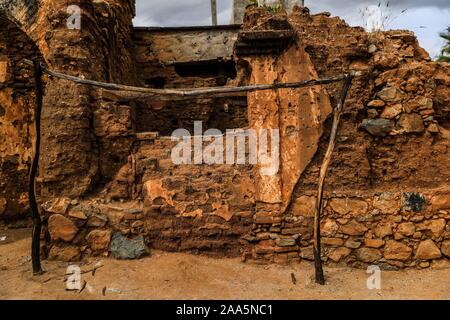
x=16 y=119
x=387 y=191
x=106 y=170
x=71 y=148
x=197 y=208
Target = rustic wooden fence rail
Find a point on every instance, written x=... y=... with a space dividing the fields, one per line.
x=40 y=69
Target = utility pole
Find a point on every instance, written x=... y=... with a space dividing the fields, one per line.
x=214 y=12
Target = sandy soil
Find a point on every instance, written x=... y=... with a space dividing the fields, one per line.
x=184 y=276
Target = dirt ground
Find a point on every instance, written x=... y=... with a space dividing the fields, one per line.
x=184 y=276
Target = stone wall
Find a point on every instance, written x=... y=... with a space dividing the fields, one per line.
x=195 y=208
x=387 y=186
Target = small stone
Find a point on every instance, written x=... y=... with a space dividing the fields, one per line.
x=433 y=128
x=339 y=253
x=383 y=229
x=59 y=206
x=427 y=250
x=353 y=244
x=332 y=242
x=440 y=264
x=445 y=248
x=372 y=48
x=304 y=206
x=376 y=104
x=124 y=248
x=425 y=103
x=378 y=127
x=386 y=203
x=368 y=254
x=424 y=264
x=395 y=250
x=307 y=253
x=97 y=221
x=388 y=94
x=78 y=214
x=3 y=205
x=407 y=228
x=390 y=112
x=436 y=226
x=115 y=217
x=417 y=235
x=66 y=253
x=285 y=242
x=99 y=240
x=61 y=228
x=398 y=236
x=441 y=202
x=329 y=228
x=347 y=205
x=412 y=84
x=353 y=228
x=372 y=113
x=410 y=123
x=374 y=243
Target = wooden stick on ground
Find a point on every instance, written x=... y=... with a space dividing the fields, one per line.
x=320 y=279
x=36 y=236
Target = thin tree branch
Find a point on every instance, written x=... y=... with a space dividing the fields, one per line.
x=320 y=279
x=37 y=223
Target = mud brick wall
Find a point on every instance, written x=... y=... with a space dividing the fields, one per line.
x=185 y=57
x=194 y=208
x=16 y=119
x=205 y=208
x=70 y=163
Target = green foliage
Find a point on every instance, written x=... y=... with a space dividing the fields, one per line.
x=445 y=53
x=272 y=9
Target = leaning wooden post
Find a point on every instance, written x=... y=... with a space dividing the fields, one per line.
x=36 y=235
x=320 y=279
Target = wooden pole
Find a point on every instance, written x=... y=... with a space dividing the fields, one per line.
x=214 y=12
x=320 y=279
x=190 y=92
x=37 y=223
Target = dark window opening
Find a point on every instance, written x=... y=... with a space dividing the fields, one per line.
x=166 y=116
x=156 y=82
x=207 y=69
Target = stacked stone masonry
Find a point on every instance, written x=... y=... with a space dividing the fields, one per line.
x=107 y=169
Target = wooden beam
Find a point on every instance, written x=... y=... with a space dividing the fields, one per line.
x=192 y=92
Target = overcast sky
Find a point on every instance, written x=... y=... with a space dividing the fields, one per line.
x=425 y=17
